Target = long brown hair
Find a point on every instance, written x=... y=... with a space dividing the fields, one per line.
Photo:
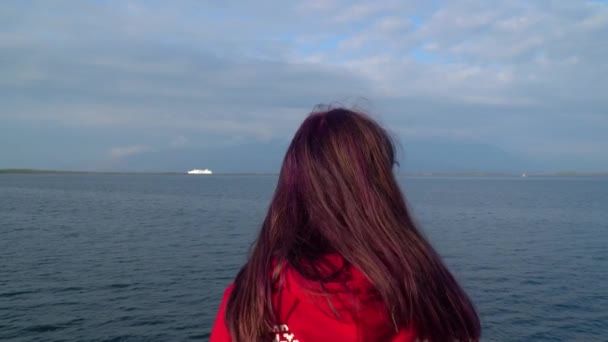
x=337 y=193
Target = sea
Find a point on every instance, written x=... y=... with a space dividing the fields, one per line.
x=136 y=257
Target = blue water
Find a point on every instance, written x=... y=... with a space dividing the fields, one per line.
x=146 y=257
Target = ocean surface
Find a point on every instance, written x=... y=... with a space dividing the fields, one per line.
x=98 y=257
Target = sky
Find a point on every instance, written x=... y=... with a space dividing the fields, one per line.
x=496 y=86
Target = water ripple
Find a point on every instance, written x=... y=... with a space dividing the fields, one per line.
x=147 y=258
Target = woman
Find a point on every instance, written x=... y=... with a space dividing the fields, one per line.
x=338 y=257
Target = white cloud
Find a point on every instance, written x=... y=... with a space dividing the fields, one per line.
x=125 y=151
x=247 y=73
x=179 y=141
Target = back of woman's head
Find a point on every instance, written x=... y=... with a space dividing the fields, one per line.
x=337 y=193
x=336 y=175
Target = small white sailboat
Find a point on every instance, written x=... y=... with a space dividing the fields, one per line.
x=524 y=175
x=200 y=172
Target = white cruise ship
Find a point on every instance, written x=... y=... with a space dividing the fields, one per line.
x=200 y=172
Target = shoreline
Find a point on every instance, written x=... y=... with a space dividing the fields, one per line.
x=410 y=174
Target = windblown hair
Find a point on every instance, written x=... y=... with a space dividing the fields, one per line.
x=337 y=193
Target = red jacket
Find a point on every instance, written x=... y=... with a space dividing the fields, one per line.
x=307 y=316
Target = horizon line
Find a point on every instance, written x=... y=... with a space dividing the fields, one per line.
x=412 y=173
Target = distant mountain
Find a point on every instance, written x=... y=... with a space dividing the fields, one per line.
x=254 y=158
x=423 y=156
x=414 y=156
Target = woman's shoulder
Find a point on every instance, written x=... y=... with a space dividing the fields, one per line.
x=219 y=332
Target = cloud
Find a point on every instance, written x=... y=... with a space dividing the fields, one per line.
x=126 y=151
x=179 y=141
x=510 y=74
